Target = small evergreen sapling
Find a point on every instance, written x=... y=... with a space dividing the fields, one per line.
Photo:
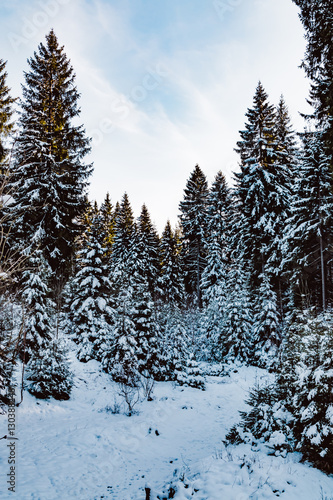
x=191 y=377
x=48 y=373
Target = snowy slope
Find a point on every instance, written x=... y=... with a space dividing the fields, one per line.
x=79 y=449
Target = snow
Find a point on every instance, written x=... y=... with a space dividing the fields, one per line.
x=81 y=449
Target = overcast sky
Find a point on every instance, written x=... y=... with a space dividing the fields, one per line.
x=164 y=84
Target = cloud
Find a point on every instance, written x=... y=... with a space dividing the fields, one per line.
x=164 y=85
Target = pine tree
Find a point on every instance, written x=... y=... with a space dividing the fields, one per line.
x=108 y=218
x=174 y=341
x=48 y=177
x=262 y=189
x=40 y=308
x=90 y=311
x=120 y=358
x=170 y=281
x=236 y=340
x=309 y=230
x=48 y=372
x=149 y=250
x=214 y=285
x=7 y=339
x=267 y=329
x=194 y=227
x=313 y=403
x=6 y=113
x=142 y=313
x=219 y=206
x=316 y=16
x=125 y=227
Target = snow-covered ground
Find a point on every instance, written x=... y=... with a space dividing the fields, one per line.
x=79 y=449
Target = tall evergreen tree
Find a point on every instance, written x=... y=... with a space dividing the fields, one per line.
x=170 y=282
x=262 y=192
x=193 y=220
x=316 y=16
x=149 y=249
x=49 y=178
x=90 y=312
x=309 y=234
x=108 y=217
x=6 y=113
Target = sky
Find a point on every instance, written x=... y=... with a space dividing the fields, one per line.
x=164 y=84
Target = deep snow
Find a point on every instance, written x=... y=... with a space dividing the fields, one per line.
x=79 y=449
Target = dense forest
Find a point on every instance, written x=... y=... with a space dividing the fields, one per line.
x=246 y=277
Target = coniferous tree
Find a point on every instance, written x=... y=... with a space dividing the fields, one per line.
x=193 y=220
x=120 y=266
x=48 y=177
x=148 y=247
x=316 y=16
x=309 y=235
x=219 y=206
x=142 y=313
x=40 y=308
x=267 y=324
x=261 y=191
x=6 y=113
x=236 y=339
x=170 y=282
x=120 y=357
x=48 y=372
x=108 y=218
x=90 y=312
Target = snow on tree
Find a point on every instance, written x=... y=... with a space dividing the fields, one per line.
x=267 y=324
x=262 y=192
x=120 y=358
x=193 y=221
x=39 y=307
x=309 y=236
x=174 y=341
x=142 y=313
x=316 y=16
x=214 y=285
x=6 y=113
x=47 y=368
x=48 y=372
x=170 y=282
x=7 y=339
x=236 y=340
x=313 y=395
x=149 y=250
x=108 y=217
x=48 y=179
x=90 y=311
x=191 y=375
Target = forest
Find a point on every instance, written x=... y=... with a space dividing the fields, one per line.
x=245 y=278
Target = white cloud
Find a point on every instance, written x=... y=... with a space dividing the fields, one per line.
x=150 y=131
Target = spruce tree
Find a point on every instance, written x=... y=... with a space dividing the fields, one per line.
x=316 y=16
x=48 y=177
x=267 y=324
x=193 y=221
x=40 y=308
x=6 y=113
x=309 y=236
x=170 y=281
x=90 y=312
x=108 y=218
x=149 y=250
x=236 y=339
x=142 y=313
x=263 y=193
